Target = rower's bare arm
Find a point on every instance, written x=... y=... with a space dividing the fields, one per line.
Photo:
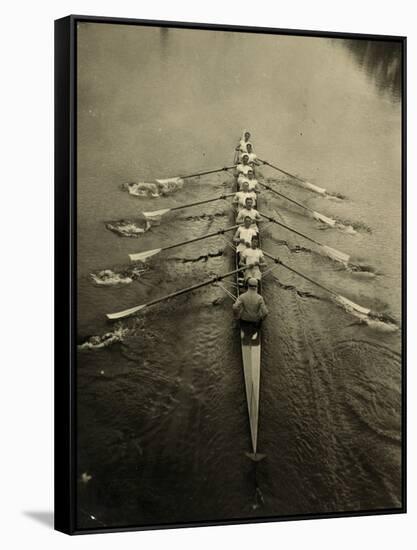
x=237 y=308
x=263 y=310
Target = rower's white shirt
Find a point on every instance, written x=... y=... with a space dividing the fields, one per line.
x=243 y=168
x=253 y=183
x=252 y=213
x=252 y=157
x=245 y=233
x=242 y=145
x=252 y=256
x=242 y=196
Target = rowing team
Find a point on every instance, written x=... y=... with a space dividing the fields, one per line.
x=250 y=305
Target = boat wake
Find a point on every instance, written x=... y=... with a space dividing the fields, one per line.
x=201 y=258
x=159 y=188
x=292 y=288
x=128 y=228
x=354 y=227
x=361 y=271
x=108 y=277
x=213 y=216
x=259 y=499
x=358 y=270
x=107 y=339
x=378 y=321
x=337 y=197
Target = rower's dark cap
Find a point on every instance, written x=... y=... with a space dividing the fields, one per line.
x=252 y=282
x=245 y=155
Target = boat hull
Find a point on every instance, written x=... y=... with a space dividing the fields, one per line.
x=250 y=338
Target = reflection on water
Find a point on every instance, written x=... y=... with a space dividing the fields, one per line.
x=381 y=61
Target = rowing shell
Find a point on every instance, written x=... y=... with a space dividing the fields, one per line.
x=250 y=342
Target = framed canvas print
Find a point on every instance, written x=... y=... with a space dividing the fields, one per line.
x=230 y=274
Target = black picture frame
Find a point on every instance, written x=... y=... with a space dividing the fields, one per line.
x=66 y=265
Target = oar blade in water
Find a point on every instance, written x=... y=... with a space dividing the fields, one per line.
x=125 y=313
x=143 y=256
x=156 y=214
x=324 y=219
x=313 y=187
x=349 y=305
x=336 y=254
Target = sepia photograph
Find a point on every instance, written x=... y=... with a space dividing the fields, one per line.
x=238 y=281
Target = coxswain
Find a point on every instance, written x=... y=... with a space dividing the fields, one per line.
x=254 y=258
x=240 y=197
x=243 y=236
x=250 y=211
x=250 y=306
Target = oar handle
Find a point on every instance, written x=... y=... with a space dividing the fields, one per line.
x=285 y=197
x=278 y=261
x=207 y=172
x=220 y=232
x=202 y=202
x=273 y=220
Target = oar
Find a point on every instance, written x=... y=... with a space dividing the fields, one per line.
x=339 y=297
x=304 y=183
x=328 y=250
x=316 y=215
x=132 y=310
x=143 y=256
x=158 y=213
x=207 y=172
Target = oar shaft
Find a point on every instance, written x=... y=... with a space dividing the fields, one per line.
x=202 y=202
x=201 y=238
x=283 y=171
x=207 y=172
x=285 y=197
x=300 y=274
x=195 y=287
x=273 y=220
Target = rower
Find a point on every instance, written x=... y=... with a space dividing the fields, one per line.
x=250 y=306
x=254 y=258
x=243 y=142
x=251 y=212
x=253 y=158
x=253 y=182
x=244 y=234
x=240 y=197
x=243 y=167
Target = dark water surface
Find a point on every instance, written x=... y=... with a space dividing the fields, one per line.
x=162 y=421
